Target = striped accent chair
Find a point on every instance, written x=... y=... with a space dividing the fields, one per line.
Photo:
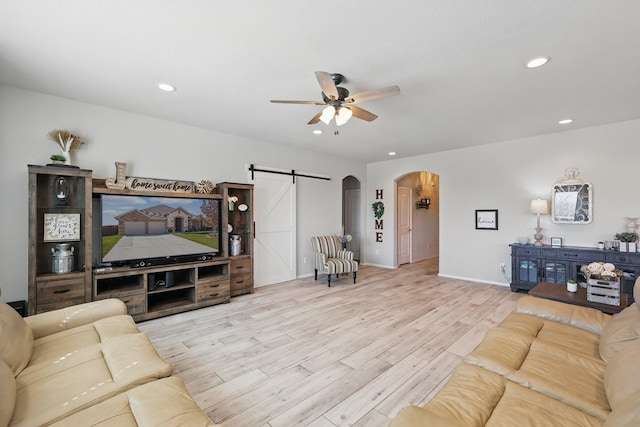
x=330 y=258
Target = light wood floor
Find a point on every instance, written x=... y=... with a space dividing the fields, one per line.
x=300 y=353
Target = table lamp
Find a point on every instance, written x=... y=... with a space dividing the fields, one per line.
x=539 y=207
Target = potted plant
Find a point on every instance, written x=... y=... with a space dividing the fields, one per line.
x=57 y=159
x=600 y=245
x=627 y=241
x=572 y=286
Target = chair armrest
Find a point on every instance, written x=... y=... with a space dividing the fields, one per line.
x=345 y=255
x=319 y=259
x=55 y=321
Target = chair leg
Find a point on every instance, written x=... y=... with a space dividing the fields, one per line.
x=329 y=279
x=354 y=277
x=316 y=274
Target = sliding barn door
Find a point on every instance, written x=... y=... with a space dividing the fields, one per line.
x=275 y=234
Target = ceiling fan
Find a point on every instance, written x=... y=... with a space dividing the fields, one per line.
x=338 y=101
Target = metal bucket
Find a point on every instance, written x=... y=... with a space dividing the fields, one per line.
x=234 y=245
x=62 y=258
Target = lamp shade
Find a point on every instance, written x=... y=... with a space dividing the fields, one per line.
x=344 y=114
x=327 y=114
x=539 y=206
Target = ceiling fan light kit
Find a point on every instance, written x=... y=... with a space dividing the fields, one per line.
x=339 y=104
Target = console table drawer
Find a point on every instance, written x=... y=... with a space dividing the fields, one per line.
x=241 y=266
x=525 y=250
x=136 y=304
x=213 y=290
x=52 y=290
x=568 y=254
x=622 y=257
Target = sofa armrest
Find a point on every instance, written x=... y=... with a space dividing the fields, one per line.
x=55 y=321
x=589 y=319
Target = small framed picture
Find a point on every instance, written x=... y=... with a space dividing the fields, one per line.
x=486 y=219
x=61 y=227
x=556 y=242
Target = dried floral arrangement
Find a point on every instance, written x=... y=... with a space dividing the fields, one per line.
x=65 y=139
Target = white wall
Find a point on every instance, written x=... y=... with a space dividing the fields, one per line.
x=151 y=148
x=506 y=176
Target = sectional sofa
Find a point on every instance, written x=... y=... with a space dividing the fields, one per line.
x=87 y=365
x=546 y=364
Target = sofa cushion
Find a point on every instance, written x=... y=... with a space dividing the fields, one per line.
x=573 y=378
x=476 y=397
x=622 y=374
x=7 y=394
x=622 y=329
x=16 y=339
x=84 y=376
x=162 y=403
x=625 y=413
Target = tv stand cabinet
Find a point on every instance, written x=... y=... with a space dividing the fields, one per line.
x=151 y=292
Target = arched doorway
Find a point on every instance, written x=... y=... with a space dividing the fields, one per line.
x=351 y=213
x=417 y=218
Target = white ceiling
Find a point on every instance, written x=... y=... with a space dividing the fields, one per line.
x=459 y=64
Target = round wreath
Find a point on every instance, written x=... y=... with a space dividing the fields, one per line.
x=378 y=209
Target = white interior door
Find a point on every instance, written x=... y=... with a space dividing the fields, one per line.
x=404 y=225
x=352 y=220
x=274 y=198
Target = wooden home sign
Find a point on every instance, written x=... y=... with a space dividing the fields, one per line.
x=159 y=185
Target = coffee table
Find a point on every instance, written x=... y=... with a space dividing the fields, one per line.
x=558 y=292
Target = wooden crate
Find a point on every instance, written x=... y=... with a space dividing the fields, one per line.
x=604 y=291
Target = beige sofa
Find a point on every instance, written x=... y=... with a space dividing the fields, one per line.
x=87 y=365
x=546 y=364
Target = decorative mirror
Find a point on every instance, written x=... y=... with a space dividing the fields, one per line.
x=572 y=200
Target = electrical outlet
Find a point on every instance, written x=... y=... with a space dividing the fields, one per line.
x=503 y=267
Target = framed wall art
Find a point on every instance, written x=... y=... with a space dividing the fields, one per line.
x=61 y=227
x=486 y=219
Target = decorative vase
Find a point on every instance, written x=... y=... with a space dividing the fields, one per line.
x=67 y=157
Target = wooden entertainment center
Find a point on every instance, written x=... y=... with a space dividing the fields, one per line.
x=64 y=197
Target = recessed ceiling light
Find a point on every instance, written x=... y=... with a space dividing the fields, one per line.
x=565 y=121
x=317 y=132
x=538 y=62
x=166 y=87
x=392 y=153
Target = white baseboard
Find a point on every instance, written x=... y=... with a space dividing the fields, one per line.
x=379 y=265
x=471 y=279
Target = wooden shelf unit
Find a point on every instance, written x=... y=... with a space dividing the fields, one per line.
x=242 y=223
x=47 y=290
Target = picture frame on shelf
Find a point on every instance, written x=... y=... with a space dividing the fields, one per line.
x=61 y=227
x=556 y=242
x=486 y=219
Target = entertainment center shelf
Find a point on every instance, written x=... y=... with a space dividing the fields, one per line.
x=169 y=256
x=151 y=292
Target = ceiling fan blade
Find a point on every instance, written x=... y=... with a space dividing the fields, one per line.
x=327 y=84
x=315 y=119
x=362 y=114
x=279 y=101
x=370 y=95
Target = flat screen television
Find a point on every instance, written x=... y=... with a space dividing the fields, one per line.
x=141 y=230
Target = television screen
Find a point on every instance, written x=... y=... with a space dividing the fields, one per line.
x=146 y=227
